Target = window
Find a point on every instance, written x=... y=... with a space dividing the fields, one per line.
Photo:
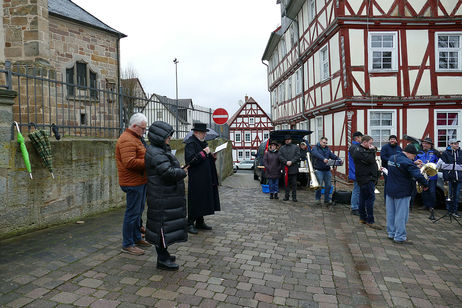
x=449 y=51
x=289 y=85
x=239 y=155
x=298 y=82
x=447 y=126
x=311 y=10
x=238 y=137
x=383 y=55
x=324 y=62
x=247 y=154
x=381 y=126
x=265 y=136
x=251 y=121
x=319 y=128
x=83 y=119
x=83 y=77
x=247 y=137
x=159 y=115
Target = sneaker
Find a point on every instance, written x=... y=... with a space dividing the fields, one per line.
x=294 y=200
x=318 y=202
x=276 y=196
x=407 y=242
x=203 y=226
x=192 y=230
x=133 y=250
x=285 y=199
x=456 y=215
x=167 y=265
x=374 y=226
x=142 y=243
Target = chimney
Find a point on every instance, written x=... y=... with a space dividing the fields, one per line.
x=246 y=98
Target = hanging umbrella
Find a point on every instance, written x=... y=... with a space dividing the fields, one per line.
x=25 y=154
x=41 y=142
x=210 y=135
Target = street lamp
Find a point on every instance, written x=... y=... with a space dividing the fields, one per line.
x=177 y=107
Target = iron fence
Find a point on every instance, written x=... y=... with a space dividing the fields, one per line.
x=45 y=99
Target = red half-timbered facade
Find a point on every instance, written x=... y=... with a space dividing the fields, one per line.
x=378 y=66
x=248 y=127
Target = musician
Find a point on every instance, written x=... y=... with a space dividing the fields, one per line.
x=366 y=172
x=351 y=173
x=428 y=155
x=321 y=155
x=389 y=149
x=289 y=156
x=304 y=149
x=402 y=174
x=452 y=173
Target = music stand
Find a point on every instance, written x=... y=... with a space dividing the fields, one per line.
x=451 y=217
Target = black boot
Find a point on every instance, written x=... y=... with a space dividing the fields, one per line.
x=286 y=197
x=432 y=214
x=276 y=196
x=165 y=261
x=271 y=196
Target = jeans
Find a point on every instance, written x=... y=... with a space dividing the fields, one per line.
x=136 y=198
x=291 y=186
x=324 y=178
x=273 y=185
x=429 y=196
x=355 y=197
x=454 y=189
x=366 y=202
x=397 y=216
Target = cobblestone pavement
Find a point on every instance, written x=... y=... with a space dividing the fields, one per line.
x=261 y=253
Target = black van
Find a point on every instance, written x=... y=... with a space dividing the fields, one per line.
x=278 y=135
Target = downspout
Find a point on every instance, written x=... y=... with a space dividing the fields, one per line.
x=118 y=60
x=267 y=82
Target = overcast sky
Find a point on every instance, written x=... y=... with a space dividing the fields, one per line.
x=219 y=45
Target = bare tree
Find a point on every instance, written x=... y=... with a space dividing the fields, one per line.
x=131 y=91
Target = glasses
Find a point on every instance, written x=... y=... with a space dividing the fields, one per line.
x=142 y=127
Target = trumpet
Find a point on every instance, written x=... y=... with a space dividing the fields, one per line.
x=314 y=184
x=427 y=170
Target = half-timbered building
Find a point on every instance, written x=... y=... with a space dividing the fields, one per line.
x=248 y=127
x=379 y=66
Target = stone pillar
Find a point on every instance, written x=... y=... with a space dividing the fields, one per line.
x=6 y=119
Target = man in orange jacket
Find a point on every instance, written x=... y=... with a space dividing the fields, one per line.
x=130 y=151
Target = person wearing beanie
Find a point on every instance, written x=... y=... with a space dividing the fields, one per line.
x=351 y=173
x=289 y=156
x=272 y=168
x=428 y=154
x=402 y=174
x=452 y=173
x=389 y=149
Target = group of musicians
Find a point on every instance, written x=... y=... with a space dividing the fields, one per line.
x=401 y=168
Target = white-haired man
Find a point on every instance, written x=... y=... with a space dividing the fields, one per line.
x=130 y=152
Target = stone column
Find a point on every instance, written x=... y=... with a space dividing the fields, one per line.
x=6 y=119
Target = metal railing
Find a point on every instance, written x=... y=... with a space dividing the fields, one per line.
x=45 y=100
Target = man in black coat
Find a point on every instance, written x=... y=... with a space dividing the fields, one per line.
x=203 y=198
x=289 y=155
x=366 y=172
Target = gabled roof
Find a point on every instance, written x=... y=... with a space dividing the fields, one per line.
x=238 y=112
x=170 y=104
x=69 y=10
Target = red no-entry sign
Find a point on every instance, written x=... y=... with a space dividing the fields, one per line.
x=220 y=116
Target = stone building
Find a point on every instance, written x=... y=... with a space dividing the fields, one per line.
x=62 y=42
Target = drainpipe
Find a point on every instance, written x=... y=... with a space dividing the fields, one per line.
x=267 y=82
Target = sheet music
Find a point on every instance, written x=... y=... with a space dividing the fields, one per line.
x=221 y=147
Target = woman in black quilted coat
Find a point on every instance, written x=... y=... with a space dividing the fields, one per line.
x=166 y=222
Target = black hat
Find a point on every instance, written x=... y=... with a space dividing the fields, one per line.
x=410 y=148
x=357 y=134
x=392 y=136
x=200 y=127
x=287 y=137
x=427 y=140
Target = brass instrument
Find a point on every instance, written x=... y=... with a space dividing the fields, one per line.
x=314 y=184
x=376 y=191
x=446 y=191
x=427 y=170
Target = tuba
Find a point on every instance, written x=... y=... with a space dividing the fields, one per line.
x=314 y=184
x=427 y=170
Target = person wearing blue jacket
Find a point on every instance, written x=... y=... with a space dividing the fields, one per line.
x=428 y=155
x=351 y=173
x=452 y=157
x=402 y=174
x=389 y=149
x=321 y=155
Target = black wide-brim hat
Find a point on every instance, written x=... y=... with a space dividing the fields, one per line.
x=200 y=127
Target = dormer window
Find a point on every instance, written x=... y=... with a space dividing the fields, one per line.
x=81 y=76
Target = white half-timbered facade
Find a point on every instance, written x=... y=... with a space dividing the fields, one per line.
x=248 y=127
x=378 y=66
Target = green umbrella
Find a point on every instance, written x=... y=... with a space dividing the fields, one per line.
x=25 y=154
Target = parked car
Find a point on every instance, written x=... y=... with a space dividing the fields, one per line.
x=278 y=135
x=245 y=164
